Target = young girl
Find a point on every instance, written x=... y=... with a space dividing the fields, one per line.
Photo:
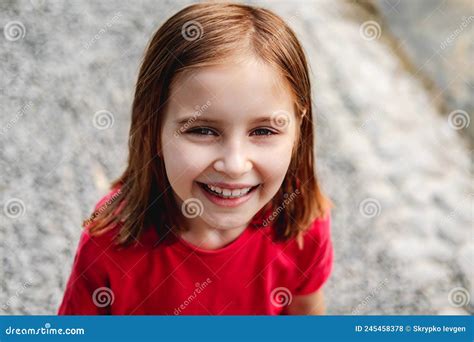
x=219 y=211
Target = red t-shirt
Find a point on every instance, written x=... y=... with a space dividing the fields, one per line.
x=253 y=275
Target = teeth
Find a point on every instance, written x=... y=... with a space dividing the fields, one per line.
x=228 y=193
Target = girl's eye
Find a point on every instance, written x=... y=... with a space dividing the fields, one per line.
x=263 y=131
x=205 y=131
x=202 y=131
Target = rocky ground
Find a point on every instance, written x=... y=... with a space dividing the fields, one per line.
x=437 y=36
x=399 y=172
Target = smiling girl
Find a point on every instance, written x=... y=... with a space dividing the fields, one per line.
x=219 y=210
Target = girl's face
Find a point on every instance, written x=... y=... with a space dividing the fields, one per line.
x=227 y=139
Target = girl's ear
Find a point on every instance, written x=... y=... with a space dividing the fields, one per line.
x=301 y=115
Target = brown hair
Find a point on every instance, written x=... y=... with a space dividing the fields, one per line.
x=200 y=35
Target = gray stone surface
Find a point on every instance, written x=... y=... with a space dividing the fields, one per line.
x=438 y=38
x=399 y=174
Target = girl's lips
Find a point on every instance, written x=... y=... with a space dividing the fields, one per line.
x=227 y=202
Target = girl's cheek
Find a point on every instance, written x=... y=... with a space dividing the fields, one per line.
x=185 y=161
x=195 y=156
x=276 y=158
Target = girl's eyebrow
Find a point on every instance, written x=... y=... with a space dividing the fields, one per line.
x=194 y=119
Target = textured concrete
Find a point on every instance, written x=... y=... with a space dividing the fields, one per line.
x=399 y=174
x=438 y=38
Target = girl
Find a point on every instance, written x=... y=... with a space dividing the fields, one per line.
x=219 y=210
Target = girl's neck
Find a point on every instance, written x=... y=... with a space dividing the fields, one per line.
x=211 y=238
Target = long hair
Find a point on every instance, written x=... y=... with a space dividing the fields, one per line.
x=200 y=35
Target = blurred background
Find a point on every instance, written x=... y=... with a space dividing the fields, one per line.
x=393 y=97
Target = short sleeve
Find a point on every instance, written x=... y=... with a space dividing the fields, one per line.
x=316 y=259
x=87 y=282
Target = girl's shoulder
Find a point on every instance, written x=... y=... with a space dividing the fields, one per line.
x=106 y=236
x=106 y=239
x=108 y=199
x=320 y=228
x=316 y=237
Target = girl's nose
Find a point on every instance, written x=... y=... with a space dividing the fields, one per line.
x=234 y=162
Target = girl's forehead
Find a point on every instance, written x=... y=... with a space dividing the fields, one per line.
x=231 y=88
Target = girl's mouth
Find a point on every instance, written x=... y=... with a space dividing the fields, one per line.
x=225 y=197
